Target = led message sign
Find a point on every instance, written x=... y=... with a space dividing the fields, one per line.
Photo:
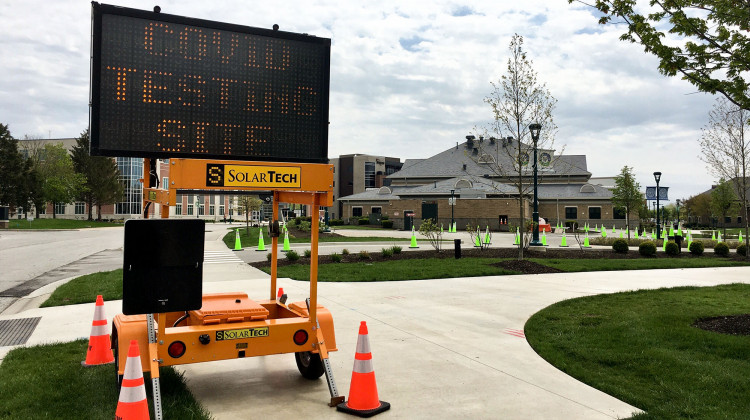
x=165 y=86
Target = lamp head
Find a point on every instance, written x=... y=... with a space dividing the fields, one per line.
x=657 y=176
x=535 y=128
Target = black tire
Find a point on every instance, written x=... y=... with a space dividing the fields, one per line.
x=116 y=353
x=309 y=364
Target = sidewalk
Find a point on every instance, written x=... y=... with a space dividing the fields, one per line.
x=441 y=348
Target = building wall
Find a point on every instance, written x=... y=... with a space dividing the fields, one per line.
x=555 y=211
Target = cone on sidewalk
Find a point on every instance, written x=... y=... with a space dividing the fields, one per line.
x=544 y=238
x=713 y=235
x=718 y=237
x=363 y=390
x=413 y=239
x=237 y=242
x=586 y=241
x=261 y=245
x=99 y=350
x=478 y=240
x=740 y=237
x=132 y=404
x=454 y=227
x=564 y=241
x=286 y=247
x=487 y=239
x=517 y=239
x=604 y=232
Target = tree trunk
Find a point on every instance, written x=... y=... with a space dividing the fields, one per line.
x=90 y=203
x=54 y=212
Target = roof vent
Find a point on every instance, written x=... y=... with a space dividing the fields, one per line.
x=464 y=166
x=385 y=191
x=487 y=176
x=463 y=183
x=481 y=139
x=588 y=188
x=475 y=151
x=470 y=141
x=492 y=140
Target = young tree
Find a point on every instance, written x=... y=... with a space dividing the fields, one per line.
x=627 y=193
x=723 y=199
x=712 y=49
x=518 y=100
x=726 y=150
x=60 y=182
x=102 y=177
x=247 y=205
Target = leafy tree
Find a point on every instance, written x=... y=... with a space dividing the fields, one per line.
x=102 y=177
x=247 y=205
x=627 y=193
x=700 y=206
x=517 y=100
x=711 y=51
x=723 y=200
x=60 y=182
x=726 y=150
x=13 y=170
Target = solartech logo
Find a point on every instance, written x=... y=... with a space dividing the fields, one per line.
x=222 y=175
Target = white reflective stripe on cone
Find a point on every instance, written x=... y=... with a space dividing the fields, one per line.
x=97 y=330
x=99 y=314
x=133 y=368
x=131 y=394
x=363 y=366
x=363 y=344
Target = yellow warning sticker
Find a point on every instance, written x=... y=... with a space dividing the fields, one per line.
x=240 y=334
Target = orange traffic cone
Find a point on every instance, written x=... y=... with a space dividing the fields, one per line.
x=99 y=350
x=363 y=391
x=132 y=404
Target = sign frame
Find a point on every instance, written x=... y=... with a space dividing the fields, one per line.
x=97 y=148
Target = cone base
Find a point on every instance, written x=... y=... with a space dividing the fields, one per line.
x=384 y=406
x=83 y=363
x=563 y=246
x=237 y=250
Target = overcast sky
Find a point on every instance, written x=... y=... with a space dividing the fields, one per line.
x=408 y=78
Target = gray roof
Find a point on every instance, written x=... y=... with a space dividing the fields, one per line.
x=449 y=163
x=488 y=187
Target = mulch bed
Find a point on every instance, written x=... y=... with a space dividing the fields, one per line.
x=732 y=325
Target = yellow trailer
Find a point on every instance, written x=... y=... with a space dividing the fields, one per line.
x=232 y=325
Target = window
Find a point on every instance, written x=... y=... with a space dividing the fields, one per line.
x=131 y=171
x=178 y=209
x=369 y=174
x=571 y=213
x=739 y=220
x=727 y=219
x=211 y=210
x=80 y=208
x=221 y=209
x=165 y=183
x=376 y=210
x=201 y=209
x=619 y=212
x=59 y=208
x=42 y=210
x=595 y=212
x=356 y=211
x=190 y=210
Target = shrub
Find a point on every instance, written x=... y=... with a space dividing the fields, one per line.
x=671 y=248
x=364 y=255
x=696 y=248
x=396 y=249
x=308 y=253
x=384 y=217
x=647 y=249
x=297 y=220
x=721 y=249
x=387 y=252
x=345 y=251
x=335 y=222
x=387 y=224
x=742 y=249
x=364 y=221
x=620 y=246
x=336 y=257
x=268 y=256
x=292 y=255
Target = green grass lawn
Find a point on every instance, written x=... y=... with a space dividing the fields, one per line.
x=59 y=224
x=432 y=268
x=85 y=288
x=414 y=269
x=640 y=347
x=251 y=240
x=48 y=382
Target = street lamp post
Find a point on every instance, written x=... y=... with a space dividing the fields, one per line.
x=534 y=129
x=678 y=211
x=453 y=206
x=657 y=177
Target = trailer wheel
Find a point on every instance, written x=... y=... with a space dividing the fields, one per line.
x=115 y=352
x=309 y=364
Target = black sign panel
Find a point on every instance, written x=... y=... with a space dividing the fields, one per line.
x=167 y=86
x=162 y=266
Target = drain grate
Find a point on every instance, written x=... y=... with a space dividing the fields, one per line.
x=14 y=332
